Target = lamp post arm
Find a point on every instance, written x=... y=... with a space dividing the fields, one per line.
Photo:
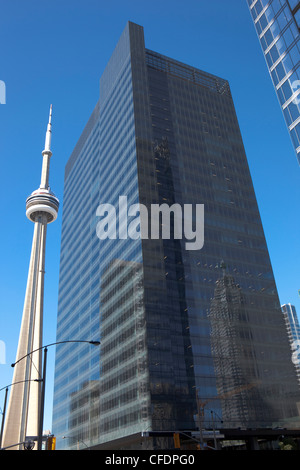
x=20 y=382
x=95 y=343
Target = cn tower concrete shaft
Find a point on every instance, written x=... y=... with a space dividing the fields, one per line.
x=22 y=416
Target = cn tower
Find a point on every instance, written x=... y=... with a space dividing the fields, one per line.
x=22 y=416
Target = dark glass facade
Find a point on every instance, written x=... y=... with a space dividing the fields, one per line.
x=277 y=23
x=178 y=327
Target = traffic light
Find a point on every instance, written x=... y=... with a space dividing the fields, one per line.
x=51 y=442
x=176 y=438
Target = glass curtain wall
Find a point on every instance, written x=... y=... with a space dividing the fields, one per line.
x=184 y=333
x=219 y=304
x=124 y=384
x=76 y=384
x=277 y=24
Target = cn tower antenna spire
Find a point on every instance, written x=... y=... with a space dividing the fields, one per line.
x=48 y=133
x=25 y=397
x=47 y=154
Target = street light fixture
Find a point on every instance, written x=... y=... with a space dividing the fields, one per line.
x=78 y=440
x=28 y=445
x=43 y=379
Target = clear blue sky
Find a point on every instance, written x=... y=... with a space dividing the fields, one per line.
x=55 y=52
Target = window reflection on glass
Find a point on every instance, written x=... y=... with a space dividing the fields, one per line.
x=276 y=5
x=292 y=112
x=288 y=37
x=275 y=29
x=287 y=63
x=280 y=45
x=293 y=3
x=263 y=22
x=257 y=9
x=269 y=13
x=294 y=54
x=295 y=133
x=283 y=19
x=297 y=18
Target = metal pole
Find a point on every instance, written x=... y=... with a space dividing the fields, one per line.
x=3 y=416
x=213 y=423
x=41 y=417
x=200 y=415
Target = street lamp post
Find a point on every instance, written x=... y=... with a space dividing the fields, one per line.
x=41 y=417
x=3 y=416
x=214 y=430
x=43 y=380
x=200 y=409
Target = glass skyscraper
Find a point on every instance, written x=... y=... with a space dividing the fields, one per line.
x=293 y=329
x=277 y=24
x=290 y=314
x=184 y=332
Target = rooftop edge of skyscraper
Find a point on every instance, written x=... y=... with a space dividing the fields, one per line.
x=159 y=62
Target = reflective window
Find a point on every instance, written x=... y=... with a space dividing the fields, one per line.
x=277 y=5
x=280 y=71
x=297 y=18
x=293 y=3
x=257 y=9
x=292 y=112
x=295 y=133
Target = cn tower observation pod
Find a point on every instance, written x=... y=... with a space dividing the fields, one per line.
x=42 y=201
